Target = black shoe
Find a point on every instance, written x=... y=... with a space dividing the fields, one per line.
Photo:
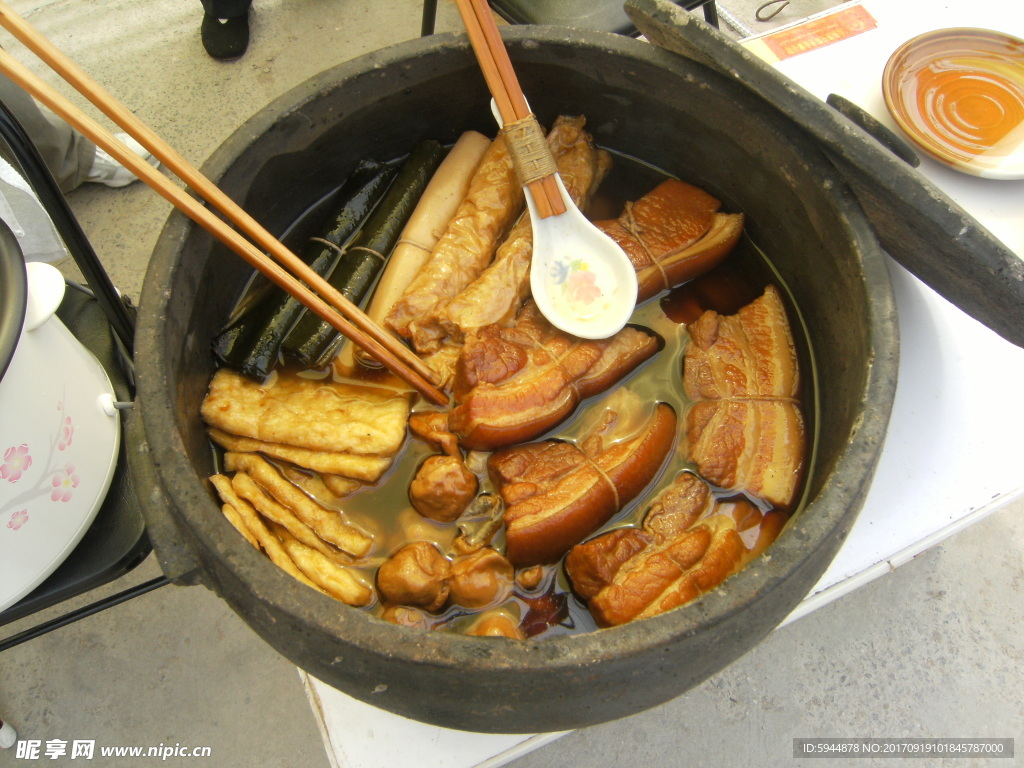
x=225 y=39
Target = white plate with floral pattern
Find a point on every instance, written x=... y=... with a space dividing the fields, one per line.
x=59 y=440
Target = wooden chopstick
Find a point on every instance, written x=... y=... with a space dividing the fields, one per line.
x=354 y=329
x=488 y=65
x=379 y=343
x=496 y=47
x=504 y=87
x=550 y=191
x=206 y=189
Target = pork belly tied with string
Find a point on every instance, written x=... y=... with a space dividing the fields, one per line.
x=673 y=234
x=688 y=544
x=558 y=493
x=514 y=384
x=745 y=430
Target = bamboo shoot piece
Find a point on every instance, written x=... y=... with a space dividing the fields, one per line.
x=440 y=201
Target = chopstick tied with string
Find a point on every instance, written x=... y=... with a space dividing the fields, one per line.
x=314 y=292
x=511 y=103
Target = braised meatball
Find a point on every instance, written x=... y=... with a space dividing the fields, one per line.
x=530 y=578
x=496 y=625
x=417 y=574
x=406 y=616
x=480 y=579
x=442 y=488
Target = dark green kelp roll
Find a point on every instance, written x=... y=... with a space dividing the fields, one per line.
x=251 y=342
x=314 y=342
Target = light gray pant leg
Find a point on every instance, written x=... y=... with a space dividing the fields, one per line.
x=67 y=153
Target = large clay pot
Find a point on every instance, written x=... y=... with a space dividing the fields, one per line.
x=639 y=100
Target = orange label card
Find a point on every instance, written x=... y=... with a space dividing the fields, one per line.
x=819 y=32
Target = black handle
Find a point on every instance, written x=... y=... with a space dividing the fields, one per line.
x=885 y=137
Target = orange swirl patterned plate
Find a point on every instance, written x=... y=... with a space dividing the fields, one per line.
x=959 y=95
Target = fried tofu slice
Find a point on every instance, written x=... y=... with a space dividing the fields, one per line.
x=230 y=507
x=352 y=466
x=245 y=487
x=318 y=415
x=325 y=488
x=336 y=580
x=267 y=541
x=328 y=524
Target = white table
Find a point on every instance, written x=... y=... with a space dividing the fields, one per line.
x=951 y=455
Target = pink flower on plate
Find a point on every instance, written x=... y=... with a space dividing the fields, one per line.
x=582 y=286
x=16 y=462
x=67 y=434
x=18 y=519
x=64 y=483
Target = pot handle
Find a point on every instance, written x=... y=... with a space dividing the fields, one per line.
x=177 y=560
x=882 y=134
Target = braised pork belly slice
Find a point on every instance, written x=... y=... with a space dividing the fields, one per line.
x=685 y=548
x=747 y=355
x=756 y=447
x=556 y=493
x=514 y=384
x=745 y=430
x=673 y=234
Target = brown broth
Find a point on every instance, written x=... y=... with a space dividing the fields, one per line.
x=384 y=509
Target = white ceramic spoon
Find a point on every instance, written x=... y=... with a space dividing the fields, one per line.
x=581 y=279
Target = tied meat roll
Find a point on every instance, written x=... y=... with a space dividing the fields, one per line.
x=557 y=493
x=673 y=234
x=689 y=543
x=514 y=384
x=491 y=206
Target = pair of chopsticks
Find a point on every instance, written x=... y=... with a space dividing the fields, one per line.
x=504 y=87
x=341 y=313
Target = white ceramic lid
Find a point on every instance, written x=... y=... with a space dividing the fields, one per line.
x=58 y=447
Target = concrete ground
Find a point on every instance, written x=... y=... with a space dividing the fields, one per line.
x=932 y=649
